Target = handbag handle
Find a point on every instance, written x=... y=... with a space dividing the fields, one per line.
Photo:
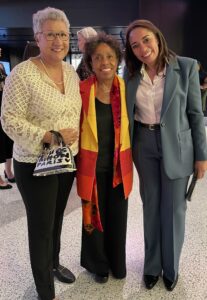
x=58 y=139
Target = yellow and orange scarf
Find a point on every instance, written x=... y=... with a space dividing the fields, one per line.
x=88 y=152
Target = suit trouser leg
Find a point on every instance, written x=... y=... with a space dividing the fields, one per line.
x=40 y=198
x=172 y=211
x=163 y=206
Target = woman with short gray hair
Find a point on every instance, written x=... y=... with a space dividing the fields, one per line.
x=42 y=96
x=49 y=13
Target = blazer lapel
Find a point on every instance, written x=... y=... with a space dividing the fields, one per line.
x=170 y=85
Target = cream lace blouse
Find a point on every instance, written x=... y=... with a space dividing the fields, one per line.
x=32 y=105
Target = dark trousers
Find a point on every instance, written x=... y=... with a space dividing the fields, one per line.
x=164 y=205
x=105 y=250
x=45 y=199
x=6 y=146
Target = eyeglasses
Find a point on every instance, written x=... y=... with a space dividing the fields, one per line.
x=51 y=36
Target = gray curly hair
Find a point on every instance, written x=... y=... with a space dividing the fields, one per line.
x=48 y=13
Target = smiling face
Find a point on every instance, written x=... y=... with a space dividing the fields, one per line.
x=144 y=45
x=104 y=62
x=57 y=49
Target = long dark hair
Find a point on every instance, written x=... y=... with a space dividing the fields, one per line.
x=132 y=62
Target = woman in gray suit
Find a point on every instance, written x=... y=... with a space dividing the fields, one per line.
x=168 y=141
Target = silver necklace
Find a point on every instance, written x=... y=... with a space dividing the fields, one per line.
x=46 y=71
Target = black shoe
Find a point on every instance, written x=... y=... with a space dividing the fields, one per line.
x=5 y=187
x=170 y=285
x=12 y=180
x=63 y=274
x=150 y=281
x=101 y=278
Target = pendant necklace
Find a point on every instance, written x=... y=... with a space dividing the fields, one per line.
x=46 y=71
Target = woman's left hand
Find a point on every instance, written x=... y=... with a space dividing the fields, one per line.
x=69 y=135
x=200 y=168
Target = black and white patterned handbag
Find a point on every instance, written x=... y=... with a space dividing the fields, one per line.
x=56 y=158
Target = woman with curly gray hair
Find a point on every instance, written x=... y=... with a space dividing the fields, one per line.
x=104 y=174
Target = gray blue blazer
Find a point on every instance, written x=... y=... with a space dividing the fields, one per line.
x=183 y=135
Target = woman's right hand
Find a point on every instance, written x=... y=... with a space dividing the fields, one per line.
x=69 y=136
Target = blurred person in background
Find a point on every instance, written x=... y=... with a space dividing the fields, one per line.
x=31 y=49
x=6 y=144
x=84 y=34
x=203 y=86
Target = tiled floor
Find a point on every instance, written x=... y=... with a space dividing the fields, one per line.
x=16 y=280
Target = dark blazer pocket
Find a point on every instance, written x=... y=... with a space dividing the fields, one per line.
x=186 y=147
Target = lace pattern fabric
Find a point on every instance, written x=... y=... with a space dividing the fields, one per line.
x=32 y=105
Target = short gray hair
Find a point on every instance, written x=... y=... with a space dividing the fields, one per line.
x=48 y=13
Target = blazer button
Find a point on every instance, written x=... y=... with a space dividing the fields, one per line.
x=162 y=124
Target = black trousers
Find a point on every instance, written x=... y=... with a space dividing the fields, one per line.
x=6 y=146
x=45 y=199
x=105 y=250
